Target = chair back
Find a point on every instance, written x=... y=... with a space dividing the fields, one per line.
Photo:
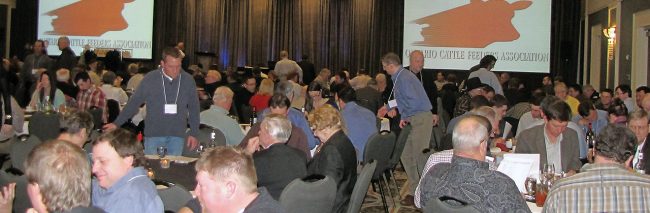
x=208 y=137
x=309 y=196
x=439 y=205
x=20 y=150
x=245 y=113
x=174 y=196
x=380 y=146
x=399 y=146
x=45 y=126
x=361 y=187
x=97 y=114
x=113 y=109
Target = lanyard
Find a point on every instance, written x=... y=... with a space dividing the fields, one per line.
x=395 y=83
x=162 y=77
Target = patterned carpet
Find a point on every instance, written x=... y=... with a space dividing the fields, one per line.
x=373 y=203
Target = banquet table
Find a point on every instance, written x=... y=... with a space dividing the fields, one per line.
x=181 y=170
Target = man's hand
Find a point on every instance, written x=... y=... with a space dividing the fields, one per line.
x=435 y=120
x=7 y=129
x=7 y=198
x=403 y=123
x=192 y=142
x=392 y=113
x=253 y=145
x=109 y=127
x=382 y=111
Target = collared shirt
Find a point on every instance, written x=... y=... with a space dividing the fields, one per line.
x=489 y=78
x=471 y=181
x=597 y=125
x=217 y=117
x=93 y=97
x=581 y=133
x=600 y=188
x=553 y=150
x=527 y=121
x=410 y=95
x=297 y=118
x=115 y=93
x=134 y=192
x=436 y=158
x=360 y=124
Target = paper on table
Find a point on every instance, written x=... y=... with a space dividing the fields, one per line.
x=534 y=158
x=517 y=170
x=506 y=130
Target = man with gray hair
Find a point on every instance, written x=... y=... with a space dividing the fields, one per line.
x=286 y=66
x=217 y=116
x=468 y=172
x=67 y=59
x=276 y=163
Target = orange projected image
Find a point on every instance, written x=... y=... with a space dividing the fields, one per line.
x=474 y=25
x=88 y=18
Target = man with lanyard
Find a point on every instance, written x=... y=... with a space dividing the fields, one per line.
x=34 y=65
x=416 y=66
x=409 y=97
x=167 y=117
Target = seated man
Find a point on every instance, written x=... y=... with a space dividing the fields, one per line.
x=121 y=183
x=554 y=143
x=58 y=176
x=280 y=105
x=226 y=182
x=562 y=92
x=76 y=127
x=474 y=88
x=588 y=114
x=90 y=95
x=468 y=172
x=360 y=122
x=607 y=185
x=475 y=103
x=217 y=116
x=638 y=123
x=276 y=164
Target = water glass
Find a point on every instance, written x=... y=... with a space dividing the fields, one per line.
x=162 y=151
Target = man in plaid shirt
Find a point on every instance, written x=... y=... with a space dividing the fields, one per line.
x=90 y=95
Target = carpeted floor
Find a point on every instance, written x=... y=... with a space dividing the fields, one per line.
x=373 y=203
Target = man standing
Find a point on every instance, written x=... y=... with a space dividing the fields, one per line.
x=607 y=185
x=286 y=66
x=217 y=116
x=67 y=59
x=468 y=173
x=35 y=63
x=486 y=75
x=416 y=65
x=409 y=97
x=308 y=70
x=172 y=103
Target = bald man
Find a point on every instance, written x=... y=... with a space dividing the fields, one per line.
x=416 y=66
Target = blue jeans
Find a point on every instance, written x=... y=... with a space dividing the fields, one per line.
x=174 y=145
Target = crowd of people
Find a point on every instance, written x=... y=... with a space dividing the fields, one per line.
x=318 y=123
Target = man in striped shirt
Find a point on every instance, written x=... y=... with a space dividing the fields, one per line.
x=607 y=185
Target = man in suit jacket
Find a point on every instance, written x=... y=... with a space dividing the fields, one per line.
x=554 y=143
x=67 y=59
x=638 y=123
x=276 y=164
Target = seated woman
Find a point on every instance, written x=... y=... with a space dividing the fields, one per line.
x=121 y=183
x=260 y=100
x=314 y=98
x=45 y=90
x=335 y=156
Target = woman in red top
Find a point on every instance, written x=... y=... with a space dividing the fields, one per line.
x=260 y=100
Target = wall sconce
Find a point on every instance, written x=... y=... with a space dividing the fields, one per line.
x=610 y=34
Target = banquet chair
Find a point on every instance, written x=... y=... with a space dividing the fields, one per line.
x=113 y=109
x=439 y=205
x=397 y=152
x=44 y=126
x=379 y=148
x=20 y=150
x=208 y=137
x=173 y=196
x=312 y=194
x=97 y=113
x=361 y=187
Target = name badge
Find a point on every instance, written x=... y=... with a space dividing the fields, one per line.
x=170 y=108
x=392 y=103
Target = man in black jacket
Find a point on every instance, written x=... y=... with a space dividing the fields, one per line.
x=308 y=71
x=67 y=59
x=276 y=164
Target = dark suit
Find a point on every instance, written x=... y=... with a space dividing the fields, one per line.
x=426 y=77
x=645 y=162
x=369 y=98
x=277 y=166
x=308 y=71
x=67 y=60
x=532 y=141
x=338 y=160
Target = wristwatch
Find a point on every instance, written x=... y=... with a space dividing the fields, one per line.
x=8 y=119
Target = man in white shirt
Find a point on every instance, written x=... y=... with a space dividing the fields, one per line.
x=112 y=92
x=484 y=73
x=286 y=66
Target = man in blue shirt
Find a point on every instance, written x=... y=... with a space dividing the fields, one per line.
x=409 y=97
x=217 y=116
x=360 y=122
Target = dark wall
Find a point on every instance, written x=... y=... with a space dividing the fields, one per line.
x=599 y=18
x=23 y=25
x=565 y=39
x=628 y=8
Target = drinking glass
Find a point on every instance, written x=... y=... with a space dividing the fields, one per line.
x=531 y=187
x=200 y=148
x=549 y=171
x=162 y=151
x=540 y=194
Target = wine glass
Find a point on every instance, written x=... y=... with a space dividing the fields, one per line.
x=531 y=187
x=162 y=151
x=549 y=171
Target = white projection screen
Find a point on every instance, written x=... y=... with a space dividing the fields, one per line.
x=456 y=34
x=126 y=25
